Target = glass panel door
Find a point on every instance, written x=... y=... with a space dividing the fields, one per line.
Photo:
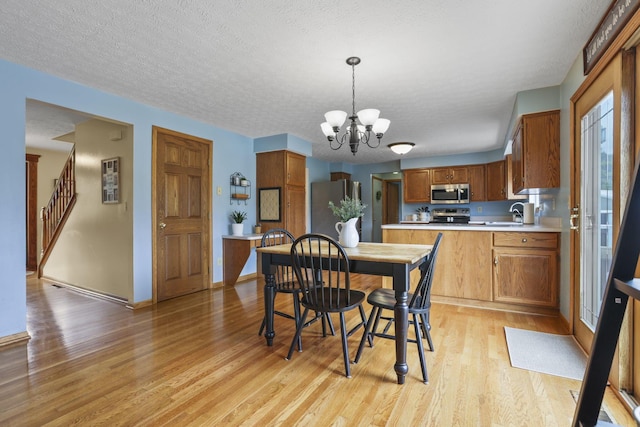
x=596 y=215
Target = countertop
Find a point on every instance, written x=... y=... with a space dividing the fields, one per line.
x=252 y=236
x=474 y=226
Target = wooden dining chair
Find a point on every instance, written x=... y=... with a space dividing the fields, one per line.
x=321 y=267
x=419 y=307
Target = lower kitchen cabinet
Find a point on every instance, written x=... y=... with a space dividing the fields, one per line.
x=505 y=270
x=463 y=269
x=525 y=268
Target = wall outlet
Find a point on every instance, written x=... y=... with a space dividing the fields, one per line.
x=219 y=261
x=479 y=209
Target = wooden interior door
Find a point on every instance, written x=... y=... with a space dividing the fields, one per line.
x=181 y=200
x=32 y=211
x=391 y=200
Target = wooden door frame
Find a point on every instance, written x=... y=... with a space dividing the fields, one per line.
x=154 y=214
x=619 y=75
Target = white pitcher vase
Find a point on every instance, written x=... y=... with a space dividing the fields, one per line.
x=347 y=233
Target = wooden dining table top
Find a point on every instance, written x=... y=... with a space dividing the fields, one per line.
x=397 y=253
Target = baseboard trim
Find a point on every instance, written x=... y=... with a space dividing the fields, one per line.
x=246 y=277
x=498 y=306
x=96 y=294
x=565 y=323
x=14 y=339
x=141 y=304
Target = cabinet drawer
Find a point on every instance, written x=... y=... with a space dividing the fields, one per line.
x=526 y=240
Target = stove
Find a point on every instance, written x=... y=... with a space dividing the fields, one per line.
x=451 y=216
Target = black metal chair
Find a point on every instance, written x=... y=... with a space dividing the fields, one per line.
x=419 y=307
x=321 y=266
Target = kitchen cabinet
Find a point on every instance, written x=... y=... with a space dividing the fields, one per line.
x=285 y=170
x=496 y=181
x=536 y=152
x=463 y=267
x=499 y=183
x=505 y=270
x=477 y=183
x=525 y=268
x=450 y=175
x=416 y=186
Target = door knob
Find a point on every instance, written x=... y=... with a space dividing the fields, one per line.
x=162 y=225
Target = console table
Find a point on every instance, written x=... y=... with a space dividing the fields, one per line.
x=235 y=253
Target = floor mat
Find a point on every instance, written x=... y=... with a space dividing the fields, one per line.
x=546 y=353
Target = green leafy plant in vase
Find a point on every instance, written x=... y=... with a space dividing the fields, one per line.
x=237 y=227
x=348 y=213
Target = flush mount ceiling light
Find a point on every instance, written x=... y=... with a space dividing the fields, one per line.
x=355 y=133
x=401 y=147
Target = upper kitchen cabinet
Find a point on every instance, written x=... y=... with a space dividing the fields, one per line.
x=450 y=175
x=416 y=186
x=477 y=183
x=285 y=170
x=499 y=182
x=496 y=181
x=536 y=152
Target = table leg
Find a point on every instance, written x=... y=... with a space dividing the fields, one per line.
x=269 y=296
x=401 y=315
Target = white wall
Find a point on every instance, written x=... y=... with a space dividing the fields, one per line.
x=95 y=249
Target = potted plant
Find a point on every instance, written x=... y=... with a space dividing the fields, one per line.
x=237 y=227
x=348 y=213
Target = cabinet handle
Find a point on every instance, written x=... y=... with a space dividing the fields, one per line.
x=524 y=240
x=495 y=260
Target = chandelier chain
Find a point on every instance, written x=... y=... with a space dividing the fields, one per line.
x=353 y=89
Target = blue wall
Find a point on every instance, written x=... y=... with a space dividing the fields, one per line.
x=231 y=152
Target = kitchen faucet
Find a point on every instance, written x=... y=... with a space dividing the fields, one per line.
x=517 y=215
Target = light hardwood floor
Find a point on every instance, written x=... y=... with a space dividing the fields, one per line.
x=197 y=360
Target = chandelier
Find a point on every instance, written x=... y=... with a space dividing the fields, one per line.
x=355 y=133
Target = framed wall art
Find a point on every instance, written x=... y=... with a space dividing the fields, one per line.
x=269 y=203
x=111 y=180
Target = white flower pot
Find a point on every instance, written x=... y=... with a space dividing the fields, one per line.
x=237 y=229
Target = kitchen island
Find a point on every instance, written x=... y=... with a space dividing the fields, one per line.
x=511 y=267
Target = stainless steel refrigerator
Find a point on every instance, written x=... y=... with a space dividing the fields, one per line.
x=322 y=219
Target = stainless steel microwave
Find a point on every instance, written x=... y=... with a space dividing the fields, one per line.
x=450 y=193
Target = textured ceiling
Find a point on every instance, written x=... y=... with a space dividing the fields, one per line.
x=445 y=72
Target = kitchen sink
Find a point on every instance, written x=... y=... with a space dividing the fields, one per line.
x=502 y=223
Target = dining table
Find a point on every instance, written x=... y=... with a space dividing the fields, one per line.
x=395 y=260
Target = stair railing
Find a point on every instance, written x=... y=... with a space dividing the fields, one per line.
x=55 y=214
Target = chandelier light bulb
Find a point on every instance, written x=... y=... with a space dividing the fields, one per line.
x=368 y=117
x=327 y=130
x=380 y=127
x=336 y=118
